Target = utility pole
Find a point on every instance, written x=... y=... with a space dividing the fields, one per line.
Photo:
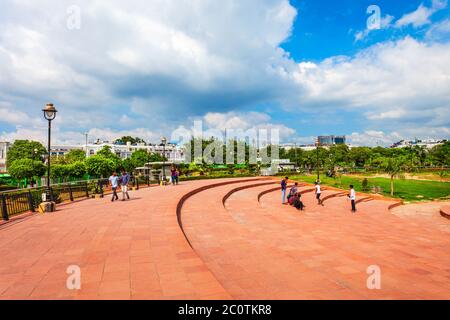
x=87 y=152
x=317 y=164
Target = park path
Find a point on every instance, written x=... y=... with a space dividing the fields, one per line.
x=245 y=245
x=264 y=250
x=126 y=250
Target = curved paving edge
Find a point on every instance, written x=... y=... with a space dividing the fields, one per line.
x=188 y=195
x=229 y=194
x=445 y=212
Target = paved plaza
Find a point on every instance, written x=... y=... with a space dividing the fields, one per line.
x=228 y=239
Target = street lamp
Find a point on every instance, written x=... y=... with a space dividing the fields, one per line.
x=164 y=142
x=50 y=115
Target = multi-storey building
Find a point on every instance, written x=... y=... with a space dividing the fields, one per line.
x=171 y=151
x=331 y=140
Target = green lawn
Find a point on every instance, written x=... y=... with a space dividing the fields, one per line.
x=408 y=190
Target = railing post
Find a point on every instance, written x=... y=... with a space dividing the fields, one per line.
x=30 y=201
x=5 y=215
x=137 y=183
x=87 y=190
x=70 y=192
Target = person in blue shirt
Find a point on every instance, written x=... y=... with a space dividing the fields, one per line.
x=114 y=182
x=124 y=182
x=284 y=183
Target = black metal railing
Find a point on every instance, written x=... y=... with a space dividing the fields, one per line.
x=20 y=201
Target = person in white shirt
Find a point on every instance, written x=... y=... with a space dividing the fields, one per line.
x=318 y=194
x=352 y=197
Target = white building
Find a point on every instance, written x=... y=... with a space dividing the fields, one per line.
x=4 y=146
x=427 y=144
x=172 y=152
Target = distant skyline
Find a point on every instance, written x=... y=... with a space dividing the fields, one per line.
x=147 y=68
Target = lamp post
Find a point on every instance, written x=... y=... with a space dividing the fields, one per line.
x=50 y=115
x=164 y=141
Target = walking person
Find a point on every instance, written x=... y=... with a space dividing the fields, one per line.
x=177 y=176
x=124 y=182
x=352 y=197
x=318 y=194
x=114 y=182
x=284 y=183
x=173 y=175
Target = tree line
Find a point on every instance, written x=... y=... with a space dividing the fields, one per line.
x=26 y=160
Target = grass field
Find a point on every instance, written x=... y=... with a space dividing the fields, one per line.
x=406 y=189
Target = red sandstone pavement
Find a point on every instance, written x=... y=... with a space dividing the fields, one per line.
x=243 y=250
x=275 y=251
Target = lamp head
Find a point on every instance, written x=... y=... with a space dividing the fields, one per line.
x=50 y=112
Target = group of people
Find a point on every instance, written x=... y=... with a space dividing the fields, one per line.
x=123 y=181
x=294 y=196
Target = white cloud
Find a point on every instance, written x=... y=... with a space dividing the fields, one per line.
x=421 y=16
x=385 y=23
x=239 y=123
x=392 y=83
x=439 y=31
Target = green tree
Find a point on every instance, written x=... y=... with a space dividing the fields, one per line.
x=26 y=168
x=126 y=139
x=440 y=155
x=100 y=166
x=77 y=169
x=394 y=167
x=139 y=158
x=75 y=156
x=25 y=149
x=106 y=153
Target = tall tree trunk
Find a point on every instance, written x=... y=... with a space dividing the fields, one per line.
x=392 y=186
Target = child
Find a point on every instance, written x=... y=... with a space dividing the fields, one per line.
x=318 y=193
x=284 y=183
x=352 y=197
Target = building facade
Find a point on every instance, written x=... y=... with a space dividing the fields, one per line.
x=331 y=140
x=427 y=144
x=4 y=146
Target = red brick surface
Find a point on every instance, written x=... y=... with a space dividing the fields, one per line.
x=247 y=249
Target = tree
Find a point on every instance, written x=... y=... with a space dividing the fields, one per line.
x=393 y=167
x=59 y=171
x=440 y=155
x=75 y=156
x=26 y=168
x=25 y=149
x=106 y=153
x=125 y=140
x=99 y=166
x=139 y=158
x=77 y=169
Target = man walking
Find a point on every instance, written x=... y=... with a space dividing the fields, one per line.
x=352 y=197
x=114 y=182
x=284 y=183
x=318 y=194
x=125 y=180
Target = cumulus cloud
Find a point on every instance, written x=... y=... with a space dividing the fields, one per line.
x=421 y=16
x=391 y=83
x=142 y=67
x=385 y=23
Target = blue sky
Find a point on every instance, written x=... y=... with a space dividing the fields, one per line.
x=151 y=68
